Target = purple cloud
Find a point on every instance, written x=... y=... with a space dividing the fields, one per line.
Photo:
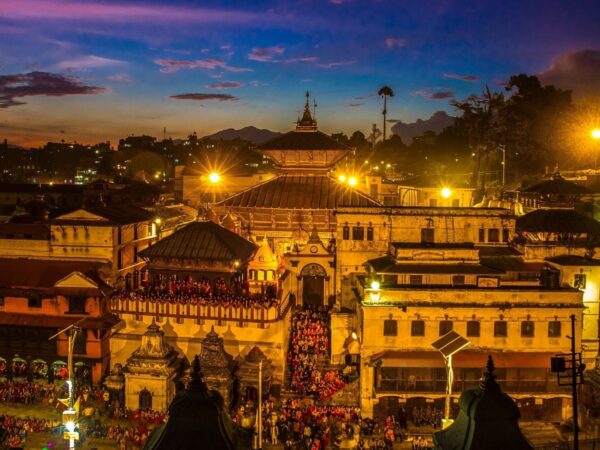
x=40 y=83
x=122 y=12
x=455 y=76
x=392 y=42
x=224 y=85
x=354 y=105
x=173 y=65
x=429 y=94
x=578 y=71
x=265 y=54
x=331 y=65
x=84 y=63
x=206 y=97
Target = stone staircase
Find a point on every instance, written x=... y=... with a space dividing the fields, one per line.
x=540 y=433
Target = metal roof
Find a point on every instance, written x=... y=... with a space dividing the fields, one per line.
x=201 y=240
x=558 y=185
x=300 y=192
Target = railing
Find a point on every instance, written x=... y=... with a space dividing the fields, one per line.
x=513 y=386
x=252 y=314
x=585 y=444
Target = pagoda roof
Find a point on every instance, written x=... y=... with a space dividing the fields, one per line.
x=557 y=221
x=201 y=240
x=303 y=140
x=558 y=185
x=299 y=192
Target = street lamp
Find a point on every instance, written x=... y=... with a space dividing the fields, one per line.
x=596 y=136
x=342 y=178
x=214 y=177
x=448 y=345
x=352 y=181
x=446 y=192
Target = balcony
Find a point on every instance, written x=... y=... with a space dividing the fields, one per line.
x=140 y=306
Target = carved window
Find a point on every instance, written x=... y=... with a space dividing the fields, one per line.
x=390 y=328
x=500 y=328
x=346 y=233
x=473 y=328
x=445 y=327
x=417 y=328
x=527 y=328
x=358 y=233
x=554 y=329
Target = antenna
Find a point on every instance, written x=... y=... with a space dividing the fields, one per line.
x=314 y=109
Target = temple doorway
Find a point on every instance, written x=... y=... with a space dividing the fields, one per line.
x=313 y=285
x=145 y=400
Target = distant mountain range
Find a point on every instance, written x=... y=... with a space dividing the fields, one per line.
x=437 y=122
x=255 y=135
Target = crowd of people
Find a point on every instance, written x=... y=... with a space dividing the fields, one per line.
x=203 y=292
x=14 y=430
x=427 y=416
x=13 y=391
x=309 y=341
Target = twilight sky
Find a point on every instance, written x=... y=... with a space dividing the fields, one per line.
x=101 y=69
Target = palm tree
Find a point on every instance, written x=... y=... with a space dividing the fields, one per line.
x=385 y=92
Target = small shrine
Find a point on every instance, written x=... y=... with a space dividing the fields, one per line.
x=218 y=366
x=488 y=420
x=151 y=372
x=262 y=269
x=247 y=374
x=198 y=418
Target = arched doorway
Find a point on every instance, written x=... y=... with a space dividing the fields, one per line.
x=313 y=284
x=145 y=399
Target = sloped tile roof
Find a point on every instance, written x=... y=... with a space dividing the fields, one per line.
x=557 y=221
x=201 y=240
x=386 y=264
x=116 y=214
x=300 y=192
x=303 y=140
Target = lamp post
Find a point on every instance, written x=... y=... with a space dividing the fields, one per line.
x=596 y=136
x=448 y=345
x=70 y=415
x=502 y=148
x=214 y=178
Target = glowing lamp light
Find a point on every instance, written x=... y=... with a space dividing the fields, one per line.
x=354 y=335
x=375 y=285
x=446 y=192
x=352 y=181
x=214 y=177
x=70 y=426
x=596 y=133
x=342 y=178
x=158 y=221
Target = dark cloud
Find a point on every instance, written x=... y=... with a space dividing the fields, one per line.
x=578 y=71
x=224 y=85
x=40 y=83
x=430 y=94
x=455 y=76
x=206 y=97
x=354 y=105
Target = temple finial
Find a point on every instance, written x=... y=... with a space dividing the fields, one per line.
x=196 y=382
x=488 y=382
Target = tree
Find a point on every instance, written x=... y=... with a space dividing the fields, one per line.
x=480 y=122
x=385 y=92
x=341 y=138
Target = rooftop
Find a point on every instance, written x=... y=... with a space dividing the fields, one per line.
x=573 y=260
x=201 y=240
x=557 y=185
x=299 y=192
x=557 y=221
x=386 y=264
x=115 y=214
